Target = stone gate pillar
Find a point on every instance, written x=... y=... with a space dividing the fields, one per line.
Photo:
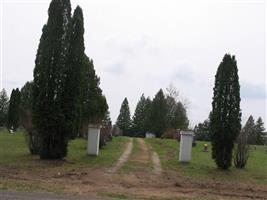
x=186 y=140
x=93 y=139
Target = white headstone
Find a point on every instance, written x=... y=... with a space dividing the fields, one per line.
x=186 y=140
x=93 y=140
x=150 y=135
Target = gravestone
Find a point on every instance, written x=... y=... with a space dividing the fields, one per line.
x=185 y=146
x=93 y=139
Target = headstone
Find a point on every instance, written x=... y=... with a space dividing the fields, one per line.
x=93 y=140
x=150 y=135
x=185 y=146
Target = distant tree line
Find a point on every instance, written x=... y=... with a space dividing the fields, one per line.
x=255 y=131
x=164 y=112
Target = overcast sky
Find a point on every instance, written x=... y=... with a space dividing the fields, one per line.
x=142 y=46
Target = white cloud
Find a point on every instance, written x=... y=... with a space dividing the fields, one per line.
x=142 y=46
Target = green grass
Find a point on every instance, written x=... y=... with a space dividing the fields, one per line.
x=203 y=167
x=14 y=153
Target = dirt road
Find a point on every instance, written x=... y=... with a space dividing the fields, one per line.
x=137 y=175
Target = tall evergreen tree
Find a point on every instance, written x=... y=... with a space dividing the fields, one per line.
x=147 y=111
x=158 y=115
x=180 y=120
x=93 y=103
x=13 y=110
x=138 y=123
x=259 y=130
x=226 y=114
x=3 y=107
x=72 y=96
x=249 y=129
x=49 y=82
x=124 y=118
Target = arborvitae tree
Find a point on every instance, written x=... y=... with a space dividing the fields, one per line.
x=138 y=123
x=49 y=82
x=72 y=96
x=13 y=110
x=180 y=120
x=93 y=103
x=158 y=115
x=259 y=130
x=226 y=115
x=124 y=118
x=3 y=107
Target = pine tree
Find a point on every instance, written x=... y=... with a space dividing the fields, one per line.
x=4 y=101
x=138 y=123
x=180 y=120
x=202 y=131
x=147 y=113
x=226 y=115
x=124 y=118
x=13 y=110
x=259 y=130
x=49 y=82
x=158 y=116
x=249 y=129
x=72 y=96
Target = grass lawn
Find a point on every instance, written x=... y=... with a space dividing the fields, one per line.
x=203 y=167
x=14 y=153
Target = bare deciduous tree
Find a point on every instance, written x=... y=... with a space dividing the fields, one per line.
x=241 y=151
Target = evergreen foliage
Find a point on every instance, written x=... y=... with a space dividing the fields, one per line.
x=4 y=101
x=226 y=114
x=49 y=82
x=138 y=123
x=147 y=111
x=180 y=120
x=259 y=130
x=158 y=114
x=13 y=110
x=124 y=118
x=93 y=103
x=176 y=114
x=202 y=132
x=72 y=96
x=249 y=129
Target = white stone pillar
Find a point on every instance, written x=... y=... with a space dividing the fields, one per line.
x=93 y=139
x=186 y=140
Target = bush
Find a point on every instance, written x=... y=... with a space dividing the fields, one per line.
x=241 y=151
x=105 y=135
x=171 y=134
